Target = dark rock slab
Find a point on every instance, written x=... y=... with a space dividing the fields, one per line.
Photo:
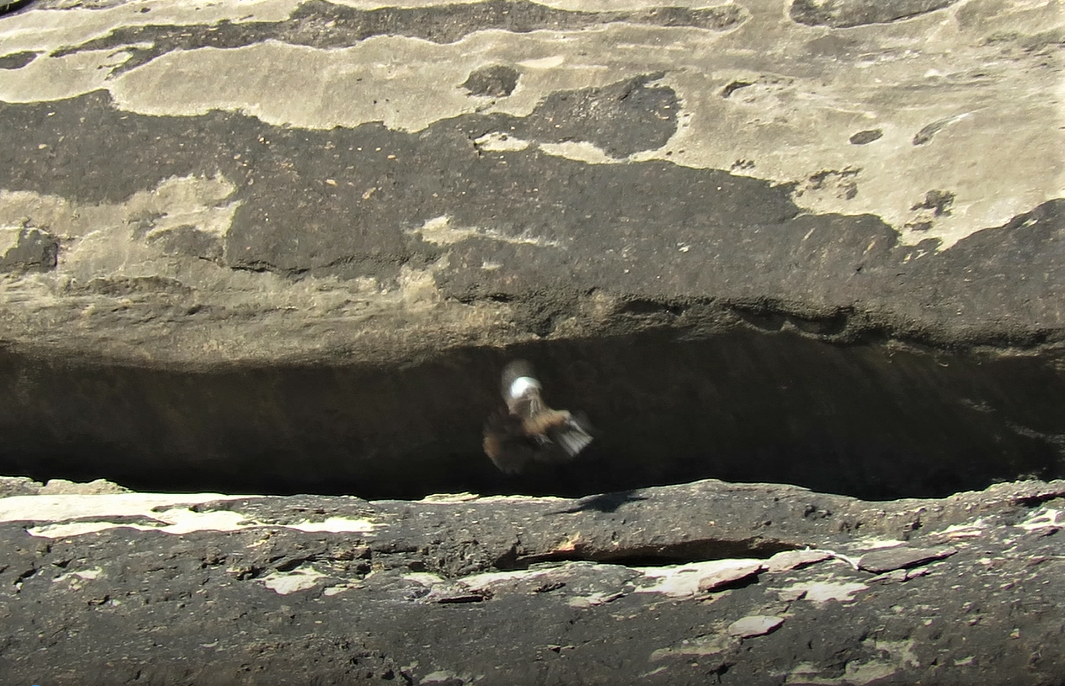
x=495 y=81
x=23 y=249
x=338 y=590
x=846 y=13
x=281 y=247
x=16 y=60
x=902 y=557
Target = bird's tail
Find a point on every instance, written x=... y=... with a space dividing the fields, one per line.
x=572 y=436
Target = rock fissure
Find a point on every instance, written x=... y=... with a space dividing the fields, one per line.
x=679 y=553
x=768 y=402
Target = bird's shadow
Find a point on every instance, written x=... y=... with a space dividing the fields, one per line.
x=606 y=502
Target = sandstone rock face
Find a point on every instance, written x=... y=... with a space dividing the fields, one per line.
x=287 y=246
x=192 y=589
x=334 y=173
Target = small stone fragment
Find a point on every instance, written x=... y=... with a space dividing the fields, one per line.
x=794 y=559
x=497 y=81
x=866 y=137
x=284 y=583
x=733 y=87
x=926 y=133
x=755 y=625
x=723 y=577
x=880 y=561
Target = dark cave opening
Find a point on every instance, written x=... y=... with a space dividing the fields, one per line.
x=876 y=421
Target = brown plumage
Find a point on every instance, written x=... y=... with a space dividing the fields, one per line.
x=528 y=430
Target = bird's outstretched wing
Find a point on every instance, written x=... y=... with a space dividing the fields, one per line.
x=506 y=444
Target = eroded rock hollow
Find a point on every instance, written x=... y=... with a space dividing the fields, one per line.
x=873 y=419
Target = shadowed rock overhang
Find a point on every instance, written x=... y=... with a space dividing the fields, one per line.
x=876 y=420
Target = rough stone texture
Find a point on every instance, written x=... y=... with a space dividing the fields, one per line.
x=265 y=191
x=18 y=485
x=287 y=246
x=848 y=13
x=211 y=589
x=21 y=485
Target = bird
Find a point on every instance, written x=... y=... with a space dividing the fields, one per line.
x=529 y=431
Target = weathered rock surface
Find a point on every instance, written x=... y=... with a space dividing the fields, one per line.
x=301 y=179
x=20 y=485
x=287 y=245
x=212 y=589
